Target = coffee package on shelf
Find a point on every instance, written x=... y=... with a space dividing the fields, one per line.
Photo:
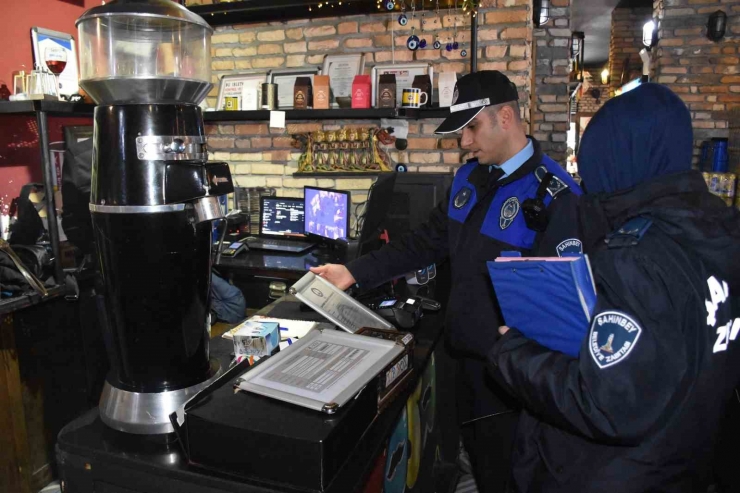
x=386 y=96
x=321 y=92
x=361 y=88
x=302 y=93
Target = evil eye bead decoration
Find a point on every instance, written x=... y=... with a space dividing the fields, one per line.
x=448 y=47
x=401 y=168
x=464 y=53
x=390 y=5
x=413 y=42
x=455 y=45
x=422 y=43
x=437 y=45
x=403 y=20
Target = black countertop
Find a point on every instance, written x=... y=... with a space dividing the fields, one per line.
x=90 y=454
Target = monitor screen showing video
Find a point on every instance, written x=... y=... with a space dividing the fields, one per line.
x=326 y=212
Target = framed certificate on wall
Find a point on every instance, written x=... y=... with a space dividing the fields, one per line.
x=231 y=87
x=404 y=73
x=285 y=81
x=341 y=70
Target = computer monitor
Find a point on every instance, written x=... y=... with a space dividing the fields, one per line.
x=414 y=197
x=327 y=214
x=281 y=216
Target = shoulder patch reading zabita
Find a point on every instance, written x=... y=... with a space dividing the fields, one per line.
x=613 y=336
x=571 y=246
x=508 y=212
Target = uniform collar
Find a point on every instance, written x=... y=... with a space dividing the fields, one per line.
x=480 y=176
x=515 y=162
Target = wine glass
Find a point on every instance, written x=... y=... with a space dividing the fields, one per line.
x=55 y=58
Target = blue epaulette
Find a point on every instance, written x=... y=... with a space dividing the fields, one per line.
x=630 y=233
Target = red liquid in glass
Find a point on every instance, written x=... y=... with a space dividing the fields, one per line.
x=56 y=66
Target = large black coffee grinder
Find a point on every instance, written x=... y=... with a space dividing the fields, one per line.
x=154 y=196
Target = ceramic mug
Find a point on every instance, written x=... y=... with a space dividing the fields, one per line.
x=413 y=97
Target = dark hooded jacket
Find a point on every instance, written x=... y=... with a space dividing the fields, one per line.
x=639 y=409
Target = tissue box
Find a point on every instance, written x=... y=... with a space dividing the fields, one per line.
x=255 y=338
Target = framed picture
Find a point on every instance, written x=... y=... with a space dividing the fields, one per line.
x=285 y=80
x=56 y=52
x=341 y=70
x=230 y=91
x=404 y=73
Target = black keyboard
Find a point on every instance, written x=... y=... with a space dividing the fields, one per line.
x=267 y=243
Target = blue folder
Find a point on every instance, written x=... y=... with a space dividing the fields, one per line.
x=550 y=300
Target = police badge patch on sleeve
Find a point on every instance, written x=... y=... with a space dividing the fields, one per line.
x=571 y=246
x=613 y=335
x=508 y=212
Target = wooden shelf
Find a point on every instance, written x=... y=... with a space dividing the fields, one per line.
x=332 y=114
x=256 y=11
x=51 y=107
x=338 y=174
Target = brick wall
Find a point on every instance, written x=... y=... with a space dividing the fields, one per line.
x=625 y=44
x=551 y=75
x=263 y=157
x=588 y=104
x=706 y=75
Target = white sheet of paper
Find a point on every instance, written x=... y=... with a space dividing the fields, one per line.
x=277 y=119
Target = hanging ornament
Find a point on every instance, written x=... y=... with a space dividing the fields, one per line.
x=422 y=41
x=413 y=42
x=437 y=44
x=402 y=19
x=390 y=5
x=455 y=45
x=464 y=53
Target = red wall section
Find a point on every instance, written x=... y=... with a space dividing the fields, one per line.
x=19 y=16
x=19 y=149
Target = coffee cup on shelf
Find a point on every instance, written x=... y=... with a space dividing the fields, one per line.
x=413 y=97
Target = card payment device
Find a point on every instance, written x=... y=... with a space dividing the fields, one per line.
x=234 y=249
x=403 y=313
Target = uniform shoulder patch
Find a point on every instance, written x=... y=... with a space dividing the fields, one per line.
x=555 y=186
x=612 y=337
x=508 y=212
x=462 y=197
x=571 y=246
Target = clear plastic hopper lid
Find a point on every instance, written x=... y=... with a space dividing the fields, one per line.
x=144 y=51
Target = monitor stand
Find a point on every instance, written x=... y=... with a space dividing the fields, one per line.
x=326 y=253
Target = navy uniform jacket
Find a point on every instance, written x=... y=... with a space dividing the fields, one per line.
x=639 y=409
x=483 y=224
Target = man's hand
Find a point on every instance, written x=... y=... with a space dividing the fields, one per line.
x=336 y=274
x=503 y=330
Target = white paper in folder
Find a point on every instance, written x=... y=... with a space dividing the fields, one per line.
x=322 y=371
x=336 y=305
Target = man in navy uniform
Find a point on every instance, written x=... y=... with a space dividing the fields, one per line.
x=639 y=409
x=507 y=197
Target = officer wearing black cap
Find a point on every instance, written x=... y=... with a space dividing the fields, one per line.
x=508 y=197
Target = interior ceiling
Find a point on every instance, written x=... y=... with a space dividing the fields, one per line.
x=594 y=18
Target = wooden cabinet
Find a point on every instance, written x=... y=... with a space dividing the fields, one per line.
x=52 y=365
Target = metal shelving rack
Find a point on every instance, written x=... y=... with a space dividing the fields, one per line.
x=42 y=110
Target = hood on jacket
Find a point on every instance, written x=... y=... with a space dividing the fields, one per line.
x=635 y=159
x=634 y=137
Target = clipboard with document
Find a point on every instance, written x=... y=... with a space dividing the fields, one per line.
x=548 y=299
